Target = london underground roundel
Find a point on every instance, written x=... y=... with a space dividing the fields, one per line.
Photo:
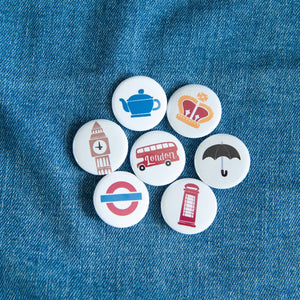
x=121 y=199
x=157 y=158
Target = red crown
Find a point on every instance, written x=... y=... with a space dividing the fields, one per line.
x=192 y=112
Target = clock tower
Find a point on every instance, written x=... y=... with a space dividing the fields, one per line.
x=99 y=146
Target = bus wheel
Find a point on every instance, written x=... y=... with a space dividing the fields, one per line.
x=142 y=167
x=168 y=163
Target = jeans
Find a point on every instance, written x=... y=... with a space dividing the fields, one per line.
x=60 y=63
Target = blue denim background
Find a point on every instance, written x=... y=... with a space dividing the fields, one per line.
x=60 y=63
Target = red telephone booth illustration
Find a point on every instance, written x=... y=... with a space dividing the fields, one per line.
x=189 y=205
x=157 y=154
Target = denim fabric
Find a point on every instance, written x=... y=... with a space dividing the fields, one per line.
x=60 y=62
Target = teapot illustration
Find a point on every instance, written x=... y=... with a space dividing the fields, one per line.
x=140 y=105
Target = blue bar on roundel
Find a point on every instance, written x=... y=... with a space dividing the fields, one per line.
x=121 y=197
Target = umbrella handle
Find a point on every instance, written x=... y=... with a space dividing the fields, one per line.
x=224 y=173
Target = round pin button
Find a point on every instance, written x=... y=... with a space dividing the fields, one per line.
x=100 y=147
x=139 y=103
x=188 y=206
x=222 y=161
x=194 y=111
x=121 y=199
x=157 y=158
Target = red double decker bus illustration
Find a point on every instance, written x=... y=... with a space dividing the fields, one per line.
x=157 y=154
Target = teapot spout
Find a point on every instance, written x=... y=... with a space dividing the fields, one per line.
x=125 y=105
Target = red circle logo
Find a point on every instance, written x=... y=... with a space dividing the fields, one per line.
x=119 y=211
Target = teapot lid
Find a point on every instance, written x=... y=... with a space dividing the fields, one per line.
x=140 y=96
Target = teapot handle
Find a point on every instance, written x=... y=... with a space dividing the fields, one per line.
x=158 y=104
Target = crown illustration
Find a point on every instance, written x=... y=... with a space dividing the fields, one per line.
x=193 y=111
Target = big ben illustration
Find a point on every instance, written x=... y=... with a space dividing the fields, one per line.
x=99 y=146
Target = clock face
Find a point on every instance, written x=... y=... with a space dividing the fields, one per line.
x=99 y=147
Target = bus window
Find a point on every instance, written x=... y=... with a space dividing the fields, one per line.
x=153 y=148
x=158 y=146
x=165 y=145
x=147 y=149
x=171 y=145
x=140 y=150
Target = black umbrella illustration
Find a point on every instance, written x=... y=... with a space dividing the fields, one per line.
x=221 y=150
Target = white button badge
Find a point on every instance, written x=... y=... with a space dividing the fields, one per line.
x=194 y=111
x=222 y=161
x=157 y=158
x=121 y=199
x=188 y=206
x=100 y=147
x=139 y=103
